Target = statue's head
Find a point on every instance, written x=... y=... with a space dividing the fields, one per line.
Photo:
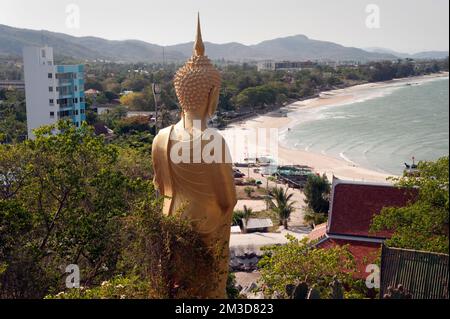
x=197 y=83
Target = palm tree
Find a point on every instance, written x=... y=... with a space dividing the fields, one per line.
x=240 y=215
x=247 y=212
x=280 y=202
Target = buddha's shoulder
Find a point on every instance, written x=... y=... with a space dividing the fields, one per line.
x=161 y=139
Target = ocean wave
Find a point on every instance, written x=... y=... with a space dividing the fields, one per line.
x=345 y=158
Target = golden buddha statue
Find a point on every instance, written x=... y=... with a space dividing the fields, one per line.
x=201 y=191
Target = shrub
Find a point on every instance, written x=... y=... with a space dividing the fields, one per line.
x=298 y=261
x=249 y=191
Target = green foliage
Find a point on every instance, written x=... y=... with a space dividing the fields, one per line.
x=116 y=288
x=112 y=117
x=72 y=198
x=258 y=96
x=298 y=261
x=317 y=191
x=423 y=224
x=167 y=252
x=312 y=218
x=13 y=127
x=139 y=101
x=249 y=191
x=232 y=291
x=240 y=215
x=71 y=195
x=132 y=124
x=280 y=203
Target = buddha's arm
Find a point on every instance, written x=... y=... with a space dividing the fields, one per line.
x=157 y=179
x=224 y=187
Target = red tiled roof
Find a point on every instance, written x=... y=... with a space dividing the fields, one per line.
x=318 y=232
x=364 y=253
x=354 y=205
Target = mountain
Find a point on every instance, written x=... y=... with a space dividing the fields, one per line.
x=420 y=55
x=298 y=48
x=430 y=55
x=12 y=40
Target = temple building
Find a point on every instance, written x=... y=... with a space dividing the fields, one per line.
x=352 y=208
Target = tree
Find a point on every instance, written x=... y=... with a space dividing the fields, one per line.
x=280 y=202
x=298 y=261
x=112 y=117
x=317 y=191
x=137 y=101
x=257 y=96
x=93 y=84
x=424 y=223
x=240 y=215
x=68 y=196
x=247 y=212
x=133 y=124
x=135 y=83
x=13 y=125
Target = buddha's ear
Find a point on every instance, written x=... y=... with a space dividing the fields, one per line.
x=213 y=100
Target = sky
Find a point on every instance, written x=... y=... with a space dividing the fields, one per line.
x=402 y=25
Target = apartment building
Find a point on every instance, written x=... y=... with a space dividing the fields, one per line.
x=52 y=92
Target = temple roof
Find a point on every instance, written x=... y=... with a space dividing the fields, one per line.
x=352 y=208
x=354 y=204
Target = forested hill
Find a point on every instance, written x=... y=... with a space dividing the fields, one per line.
x=298 y=47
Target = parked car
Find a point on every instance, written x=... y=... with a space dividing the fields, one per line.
x=238 y=174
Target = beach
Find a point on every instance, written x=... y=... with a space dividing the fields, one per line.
x=285 y=117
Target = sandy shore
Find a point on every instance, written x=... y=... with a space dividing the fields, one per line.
x=284 y=118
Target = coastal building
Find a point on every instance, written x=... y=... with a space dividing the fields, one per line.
x=270 y=65
x=52 y=92
x=352 y=208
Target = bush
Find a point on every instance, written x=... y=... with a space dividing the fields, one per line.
x=249 y=191
x=423 y=223
x=232 y=291
x=116 y=288
x=298 y=261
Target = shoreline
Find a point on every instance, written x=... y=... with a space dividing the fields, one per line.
x=284 y=118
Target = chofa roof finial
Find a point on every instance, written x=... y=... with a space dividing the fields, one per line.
x=199 y=47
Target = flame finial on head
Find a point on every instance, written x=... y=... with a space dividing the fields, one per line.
x=199 y=47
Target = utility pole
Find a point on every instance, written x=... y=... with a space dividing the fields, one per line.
x=156 y=93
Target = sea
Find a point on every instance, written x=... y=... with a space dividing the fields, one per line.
x=383 y=128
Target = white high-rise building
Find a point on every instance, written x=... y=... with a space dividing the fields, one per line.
x=52 y=92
